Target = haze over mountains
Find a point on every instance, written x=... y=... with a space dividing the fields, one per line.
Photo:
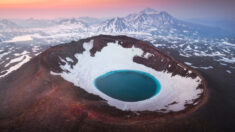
x=145 y=21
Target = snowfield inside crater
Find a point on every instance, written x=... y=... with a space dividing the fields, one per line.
x=181 y=90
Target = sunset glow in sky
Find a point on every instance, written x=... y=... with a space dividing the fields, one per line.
x=72 y=3
x=108 y=8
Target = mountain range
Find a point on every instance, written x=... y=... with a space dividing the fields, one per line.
x=146 y=21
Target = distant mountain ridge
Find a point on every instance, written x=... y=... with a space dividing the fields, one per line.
x=4 y=24
x=142 y=21
x=146 y=21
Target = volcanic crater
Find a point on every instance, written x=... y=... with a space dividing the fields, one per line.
x=56 y=91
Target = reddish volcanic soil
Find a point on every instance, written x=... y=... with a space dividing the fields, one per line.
x=31 y=99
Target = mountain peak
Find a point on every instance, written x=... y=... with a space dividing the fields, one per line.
x=149 y=11
x=117 y=19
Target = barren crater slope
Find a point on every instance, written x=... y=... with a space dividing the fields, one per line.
x=55 y=90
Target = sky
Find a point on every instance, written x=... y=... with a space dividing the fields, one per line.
x=108 y=8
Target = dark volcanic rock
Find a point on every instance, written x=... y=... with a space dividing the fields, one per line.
x=31 y=99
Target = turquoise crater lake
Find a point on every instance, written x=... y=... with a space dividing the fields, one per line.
x=128 y=85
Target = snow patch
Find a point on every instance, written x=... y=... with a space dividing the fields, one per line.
x=188 y=63
x=17 y=66
x=69 y=59
x=114 y=57
x=28 y=37
x=232 y=60
x=20 y=38
x=228 y=71
x=15 y=60
x=147 y=55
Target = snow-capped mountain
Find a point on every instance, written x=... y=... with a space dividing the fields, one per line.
x=148 y=21
x=71 y=25
x=145 y=20
x=33 y=23
x=150 y=18
x=157 y=23
x=116 y=24
x=70 y=21
x=4 y=24
x=91 y=20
